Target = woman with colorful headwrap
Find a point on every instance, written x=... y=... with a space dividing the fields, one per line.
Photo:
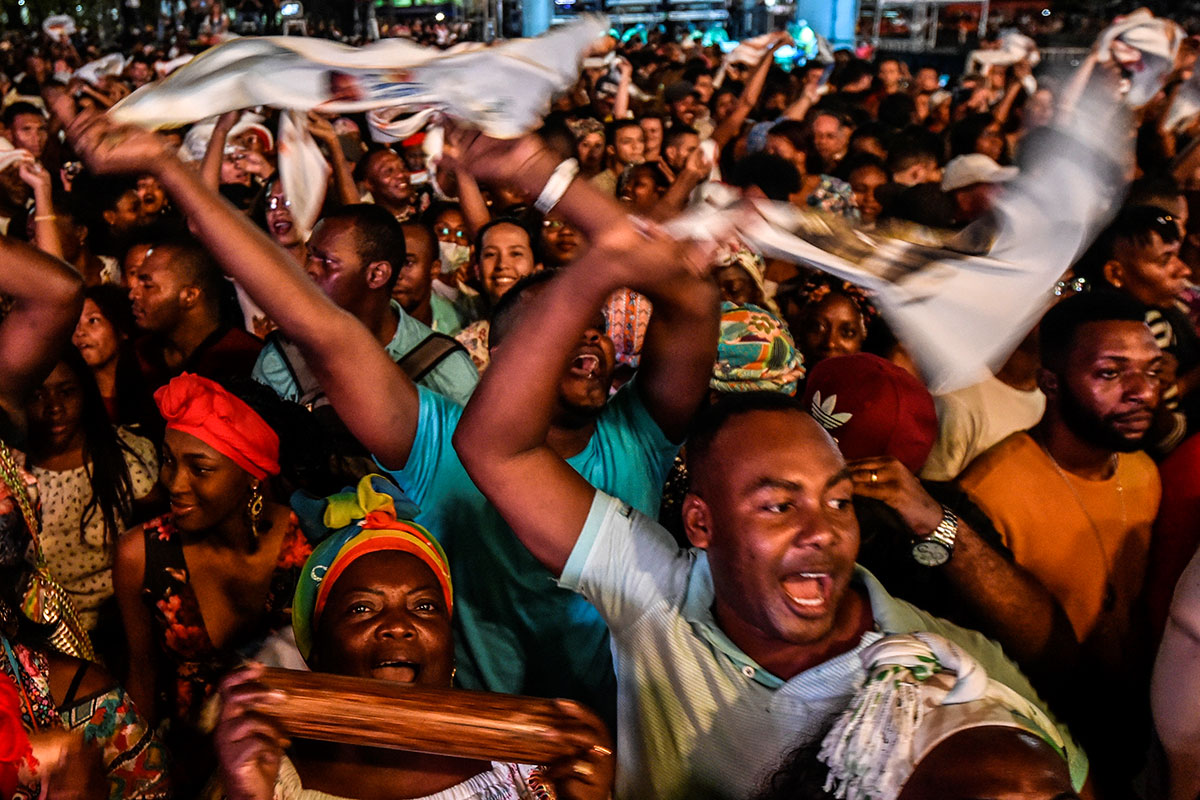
x=741 y=274
x=374 y=601
x=828 y=317
x=929 y=723
x=203 y=586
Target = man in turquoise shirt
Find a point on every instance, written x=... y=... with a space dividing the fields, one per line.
x=549 y=631
x=516 y=630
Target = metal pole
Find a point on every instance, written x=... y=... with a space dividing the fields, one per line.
x=983 y=18
x=878 y=22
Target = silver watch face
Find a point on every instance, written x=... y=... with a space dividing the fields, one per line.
x=930 y=553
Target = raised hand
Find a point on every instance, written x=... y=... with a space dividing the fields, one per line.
x=886 y=479
x=322 y=129
x=255 y=164
x=485 y=157
x=35 y=176
x=106 y=147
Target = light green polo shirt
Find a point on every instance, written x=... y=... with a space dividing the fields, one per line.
x=696 y=716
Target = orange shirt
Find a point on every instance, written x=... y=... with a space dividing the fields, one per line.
x=1041 y=520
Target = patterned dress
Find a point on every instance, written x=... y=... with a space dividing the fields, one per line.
x=197 y=665
x=82 y=562
x=134 y=760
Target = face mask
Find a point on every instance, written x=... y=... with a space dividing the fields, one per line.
x=454 y=256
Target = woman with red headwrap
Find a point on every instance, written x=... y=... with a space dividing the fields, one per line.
x=201 y=587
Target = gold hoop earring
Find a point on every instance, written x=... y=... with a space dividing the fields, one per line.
x=254 y=510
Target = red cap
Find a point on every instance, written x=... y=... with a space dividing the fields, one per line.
x=873 y=408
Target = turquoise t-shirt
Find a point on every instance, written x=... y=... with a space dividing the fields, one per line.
x=516 y=631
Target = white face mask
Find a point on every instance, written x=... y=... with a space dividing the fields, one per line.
x=453 y=256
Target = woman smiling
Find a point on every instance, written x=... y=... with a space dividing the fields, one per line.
x=215 y=576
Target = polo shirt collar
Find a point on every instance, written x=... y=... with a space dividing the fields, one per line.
x=891 y=616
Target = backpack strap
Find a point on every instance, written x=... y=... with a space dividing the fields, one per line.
x=308 y=389
x=431 y=351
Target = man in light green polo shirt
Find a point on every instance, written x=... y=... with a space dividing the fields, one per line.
x=734 y=652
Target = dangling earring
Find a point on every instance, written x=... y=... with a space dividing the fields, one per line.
x=255 y=508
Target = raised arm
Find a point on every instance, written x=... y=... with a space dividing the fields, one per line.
x=621 y=102
x=731 y=126
x=45 y=221
x=343 y=175
x=46 y=296
x=681 y=339
x=214 y=154
x=369 y=392
x=542 y=498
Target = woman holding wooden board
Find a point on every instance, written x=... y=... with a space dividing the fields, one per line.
x=374 y=601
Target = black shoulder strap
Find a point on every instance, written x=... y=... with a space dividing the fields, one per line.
x=432 y=350
x=307 y=387
x=73 y=690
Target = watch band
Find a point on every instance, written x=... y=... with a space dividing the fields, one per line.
x=936 y=547
x=946 y=532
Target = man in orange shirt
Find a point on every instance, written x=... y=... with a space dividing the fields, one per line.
x=1074 y=499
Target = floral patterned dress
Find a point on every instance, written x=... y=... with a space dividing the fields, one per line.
x=134 y=759
x=197 y=665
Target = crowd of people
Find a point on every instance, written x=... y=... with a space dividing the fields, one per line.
x=488 y=426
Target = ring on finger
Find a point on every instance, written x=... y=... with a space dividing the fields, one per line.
x=874 y=476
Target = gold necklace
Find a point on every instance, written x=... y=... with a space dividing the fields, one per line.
x=1110 y=591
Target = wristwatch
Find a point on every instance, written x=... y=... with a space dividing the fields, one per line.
x=935 y=548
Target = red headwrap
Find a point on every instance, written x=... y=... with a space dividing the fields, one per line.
x=207 y=410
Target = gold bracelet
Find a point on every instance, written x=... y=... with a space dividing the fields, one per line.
x=45 y=217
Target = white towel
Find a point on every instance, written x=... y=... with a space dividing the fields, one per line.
x=960 y=308
x=503 y=90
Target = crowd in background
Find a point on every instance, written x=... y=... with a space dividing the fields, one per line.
x=487 y=426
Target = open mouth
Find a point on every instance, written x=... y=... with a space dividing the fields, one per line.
x=585 y=365
x=809 y=591
x=397 y=670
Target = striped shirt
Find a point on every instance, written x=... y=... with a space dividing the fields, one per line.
x=697 y=717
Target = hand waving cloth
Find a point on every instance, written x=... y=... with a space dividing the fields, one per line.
x=962 y=305
x=1144 y=46
x=502 y=90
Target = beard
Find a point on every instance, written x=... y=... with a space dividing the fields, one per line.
x=1095 y=429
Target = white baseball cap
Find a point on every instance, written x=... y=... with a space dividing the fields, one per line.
x=975 y=168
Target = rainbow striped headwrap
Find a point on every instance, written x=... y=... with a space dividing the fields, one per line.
x=371 y=518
